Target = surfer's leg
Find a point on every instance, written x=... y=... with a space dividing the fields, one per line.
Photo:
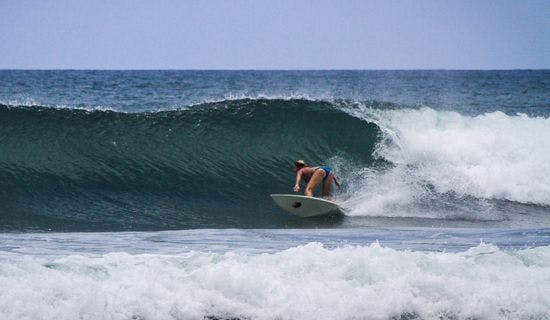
x=316 y=178
x=327 y=184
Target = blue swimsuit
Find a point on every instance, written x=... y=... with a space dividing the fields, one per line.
x=327 y=171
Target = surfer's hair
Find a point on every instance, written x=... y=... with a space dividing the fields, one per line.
x=300 y=164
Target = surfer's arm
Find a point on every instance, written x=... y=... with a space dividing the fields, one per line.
x=298 y=178
x=336 y=182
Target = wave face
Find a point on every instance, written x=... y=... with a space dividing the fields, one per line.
x=210 y=166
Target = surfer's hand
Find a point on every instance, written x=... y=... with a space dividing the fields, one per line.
x=296 y=188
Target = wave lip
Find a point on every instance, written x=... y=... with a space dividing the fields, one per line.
x=490 y=156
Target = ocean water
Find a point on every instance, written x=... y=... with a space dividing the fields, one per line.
x=145 y=194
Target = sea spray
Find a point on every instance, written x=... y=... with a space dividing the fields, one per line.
x=441 y=157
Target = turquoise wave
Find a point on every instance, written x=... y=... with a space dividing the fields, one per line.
x=212 y=165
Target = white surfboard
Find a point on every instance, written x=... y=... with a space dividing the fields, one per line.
x=304 y=207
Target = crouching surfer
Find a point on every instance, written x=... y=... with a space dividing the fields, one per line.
x=314 y=176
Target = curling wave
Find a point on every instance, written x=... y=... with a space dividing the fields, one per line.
x=211 y=165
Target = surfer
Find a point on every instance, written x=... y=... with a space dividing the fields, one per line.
x=313 y=176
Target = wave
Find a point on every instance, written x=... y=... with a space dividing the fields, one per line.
x=110 y=148
x=214 y=164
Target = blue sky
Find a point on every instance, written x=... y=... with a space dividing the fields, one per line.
x=124 y=34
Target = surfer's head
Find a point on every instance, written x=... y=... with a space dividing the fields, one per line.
x=300 y=164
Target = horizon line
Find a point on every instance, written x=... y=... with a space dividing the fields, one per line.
x=267 y=69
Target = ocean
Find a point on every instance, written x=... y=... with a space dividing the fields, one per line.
x=145 y=194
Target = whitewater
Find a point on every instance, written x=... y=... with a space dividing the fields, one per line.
x=488 y=156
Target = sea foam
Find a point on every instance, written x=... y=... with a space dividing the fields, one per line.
x=303 y=282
